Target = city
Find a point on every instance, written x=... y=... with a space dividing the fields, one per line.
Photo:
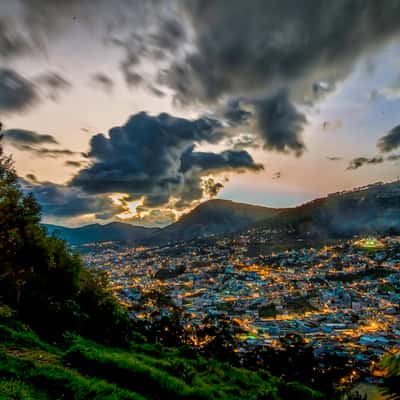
x=342 y=299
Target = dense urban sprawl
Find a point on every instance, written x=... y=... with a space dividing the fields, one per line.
x=343 y=298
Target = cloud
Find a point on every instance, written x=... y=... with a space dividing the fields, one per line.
x=16 y=93
x=390 y=141
x=12 y=42
x=358 y=162
x=152 y=217
x=75 y=164
x=392 y=91
x=153 y=158
x=171 y=33
x=31 y=178
x=333 y=158
x=212 y=187
x=52 y=153
x=241 y=48
x=53 y=83
x=332 y=125
x=155 y=90
x=277 y=175
x=21 y=137
x=244 y=141
x=53 y=80
x=273 y=120
x=322 y=88
x=25 y=140
x=132 y=78
x=103 y=82
x=67 y=202
x=280 y=124
x=234 y=113
x=46 y=152
x=393 y=157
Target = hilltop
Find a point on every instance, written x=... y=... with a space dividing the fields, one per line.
x=114 y=231
x=213 y=217
x=209 y=218
x=369 y=209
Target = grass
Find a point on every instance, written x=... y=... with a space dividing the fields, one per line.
x=33 y=369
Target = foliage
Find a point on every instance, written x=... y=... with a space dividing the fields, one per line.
x=392 y=380
x=42 y=280
x=33 y=369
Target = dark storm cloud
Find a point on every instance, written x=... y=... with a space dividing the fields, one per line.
x=171 y=33
x=280 y=124
x=226 y=160
x=22 y=137
x=12 y=43
x=391 y=141
x=153 y=157
x=16 y=93
x=234 y=114
x=358 y=162
x=263 y=46
x=30 y=141
x=103 y=82
x=274 y=119
x=63 y=201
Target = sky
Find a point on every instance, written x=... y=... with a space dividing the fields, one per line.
x=138 y=110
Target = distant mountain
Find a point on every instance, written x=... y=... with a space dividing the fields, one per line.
x=211 y=218
x=369 y=209
x=115 y=231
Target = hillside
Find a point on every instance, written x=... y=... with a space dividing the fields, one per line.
x=33 y=369
x=213 y=217
x=115 y=231
x=209 y=218
x=367 y=210
x=370 y=209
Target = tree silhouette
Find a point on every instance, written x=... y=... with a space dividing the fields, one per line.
x=42 y=280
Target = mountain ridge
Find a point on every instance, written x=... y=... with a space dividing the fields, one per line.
x=372 y=207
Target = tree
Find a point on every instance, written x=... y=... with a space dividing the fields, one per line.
x=30 y=262
x=42 y=280
x=391 y=384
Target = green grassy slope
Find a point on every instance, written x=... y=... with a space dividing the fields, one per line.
x=81 y=369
